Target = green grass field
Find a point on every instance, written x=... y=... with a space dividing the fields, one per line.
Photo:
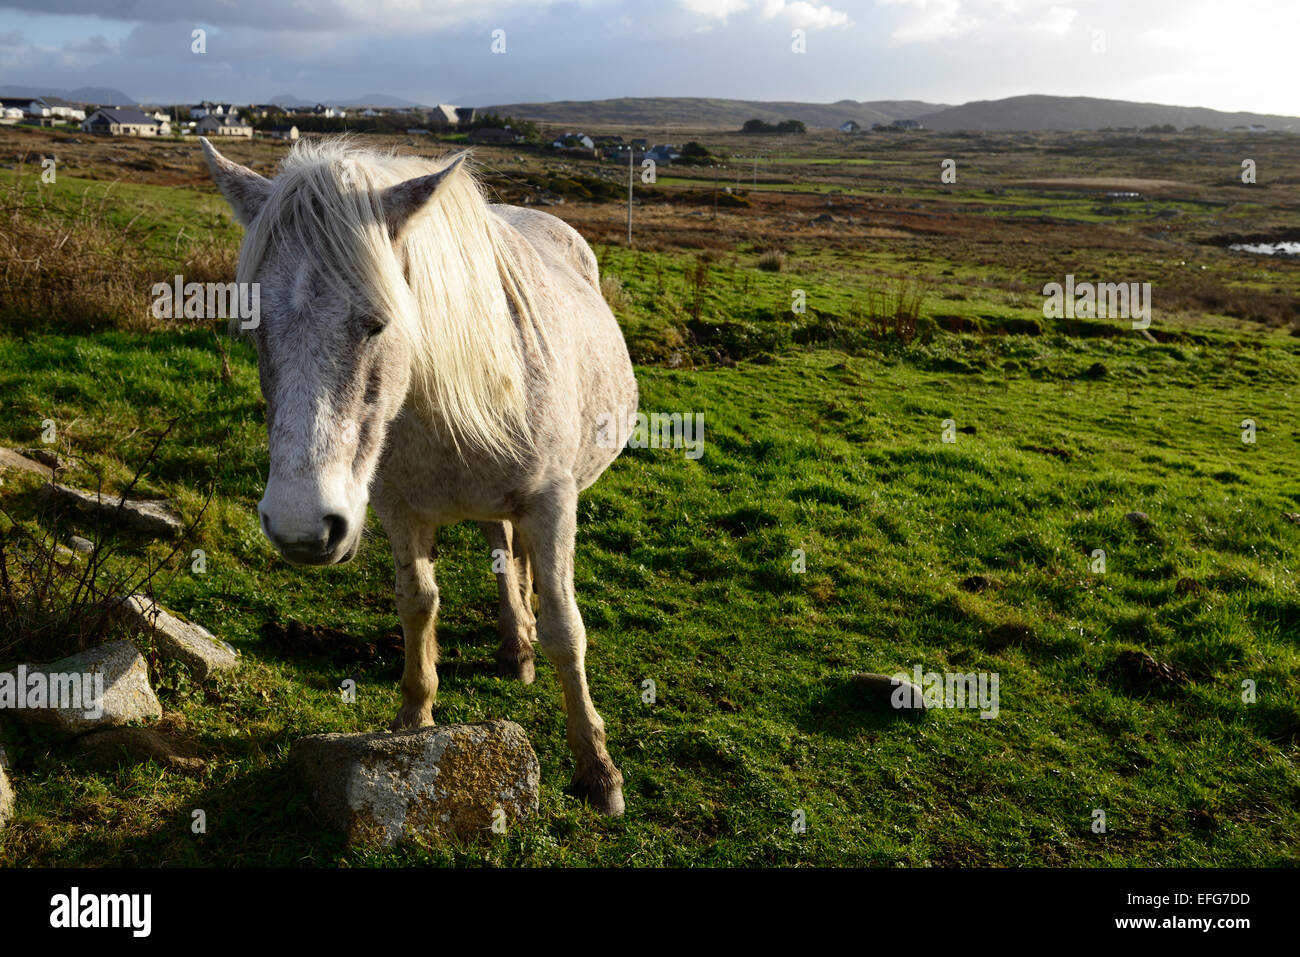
x=823 y=442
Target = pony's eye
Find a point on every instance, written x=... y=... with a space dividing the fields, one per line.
x=374 y=329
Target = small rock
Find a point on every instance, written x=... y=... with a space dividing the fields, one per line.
x=824 y=218
x=104 y=686
x=890 y=691
x=80 y=544
x=109 y=747
x=1292 y=517
x=385 y=788
x=176 y=640
x=1139 y=519
x=153 y=517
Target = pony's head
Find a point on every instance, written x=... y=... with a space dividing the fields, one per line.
x=358 y=317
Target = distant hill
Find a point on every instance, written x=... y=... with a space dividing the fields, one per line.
x=698 y=111
x=1088 y=113
x=1013 y=113
x=82 y=94
x=382 y=99
x=370 y=99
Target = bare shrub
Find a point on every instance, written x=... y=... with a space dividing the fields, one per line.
x=891 y=310
x=772 y=261
x=53 y=604
x=697 y=284
x=611 y=287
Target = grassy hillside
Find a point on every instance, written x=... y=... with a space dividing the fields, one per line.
x=1022 y=113
x=824 y=435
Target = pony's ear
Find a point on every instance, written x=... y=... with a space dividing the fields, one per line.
x=245 y=190
x=403 y=201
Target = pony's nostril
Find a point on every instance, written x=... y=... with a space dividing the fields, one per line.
x=336 y=526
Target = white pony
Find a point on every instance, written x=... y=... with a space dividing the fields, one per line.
x=444 y=359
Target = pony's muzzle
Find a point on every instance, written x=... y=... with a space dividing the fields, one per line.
x=308 y=530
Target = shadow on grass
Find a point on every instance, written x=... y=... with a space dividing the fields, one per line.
x=257 y=817
x=842 y=708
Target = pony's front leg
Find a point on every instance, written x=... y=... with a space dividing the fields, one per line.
x=549 y=527
x=417 y=606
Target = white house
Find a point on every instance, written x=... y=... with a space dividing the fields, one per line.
x=444 y=117
x=125 y=122
x=583 y=140
x=212 y=125
x=208 y=108
x=60 y=109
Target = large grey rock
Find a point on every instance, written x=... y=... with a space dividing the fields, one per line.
x=385 y=788
x=6 y=794
x=173 y=639
x=104 y=686
x=154 y=517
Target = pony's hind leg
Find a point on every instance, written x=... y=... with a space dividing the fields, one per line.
x=417 y=606
x=549 y=527
x=515 y=622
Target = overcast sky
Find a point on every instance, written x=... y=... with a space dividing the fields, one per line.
x=1236 y=55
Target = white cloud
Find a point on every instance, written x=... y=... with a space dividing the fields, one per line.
x=714 y=9
x=932 y=20
x=800 y=13
x=1057 y=20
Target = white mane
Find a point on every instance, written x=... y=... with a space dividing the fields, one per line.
x=448 y=284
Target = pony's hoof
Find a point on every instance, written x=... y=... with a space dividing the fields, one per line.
x=412 y=718
x=520 y=668
x=603 y=792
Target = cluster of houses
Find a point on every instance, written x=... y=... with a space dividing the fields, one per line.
x=46 y=109
x=209 y=118
x=615 y=149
